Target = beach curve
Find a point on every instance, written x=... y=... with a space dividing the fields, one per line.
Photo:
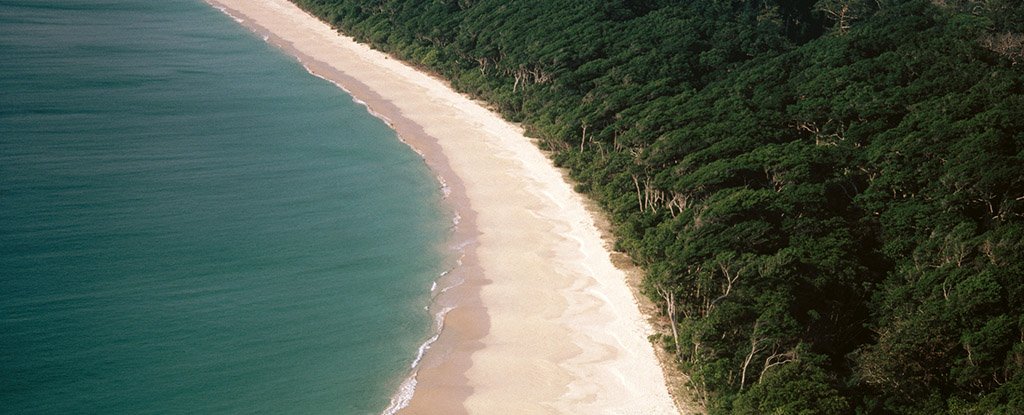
x=536 y=317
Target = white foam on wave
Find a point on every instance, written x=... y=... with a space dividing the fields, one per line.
x=408 y=387
x=442 y=274
x=387 y=121
x=462 y=247
x=454 y=284
x=438 y=325
x=445 y=189
x=228 y=12
x=358 y=101
x=454 y=281
x=434 y=285
x=403 y=397
x=341 y=87
x=423 y=349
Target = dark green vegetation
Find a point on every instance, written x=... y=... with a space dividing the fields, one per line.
x=827 y=195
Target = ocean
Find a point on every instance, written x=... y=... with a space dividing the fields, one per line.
x=190 y=223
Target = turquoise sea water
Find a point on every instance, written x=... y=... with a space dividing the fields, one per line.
x=191 y=223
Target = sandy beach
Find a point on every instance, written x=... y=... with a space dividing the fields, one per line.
x=537 y=319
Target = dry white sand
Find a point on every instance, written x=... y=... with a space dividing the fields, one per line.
x=545 y=322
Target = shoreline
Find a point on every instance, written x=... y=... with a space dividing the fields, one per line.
x=536 y=317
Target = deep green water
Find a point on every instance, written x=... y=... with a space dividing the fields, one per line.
x=191 y=223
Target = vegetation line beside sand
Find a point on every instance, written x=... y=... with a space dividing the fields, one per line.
x=827 y=196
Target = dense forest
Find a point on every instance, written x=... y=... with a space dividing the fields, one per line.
x=827 y=196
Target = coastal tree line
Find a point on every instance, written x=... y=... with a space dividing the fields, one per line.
x=827 y=195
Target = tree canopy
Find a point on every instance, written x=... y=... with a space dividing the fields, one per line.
x=827 y=196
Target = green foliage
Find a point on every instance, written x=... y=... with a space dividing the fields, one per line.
x=827 y=195
x=792 y=389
